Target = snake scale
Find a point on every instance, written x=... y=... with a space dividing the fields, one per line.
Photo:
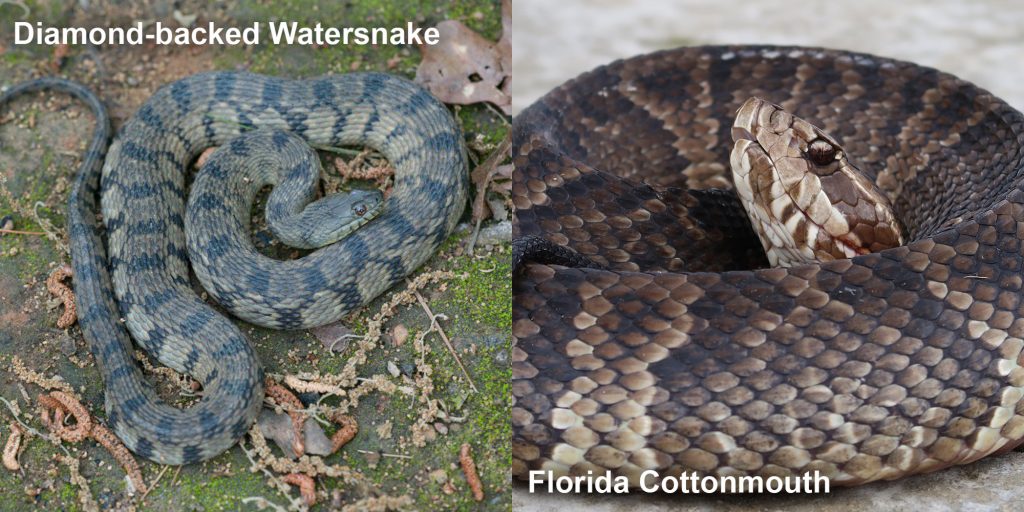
x=678 y=349
x=136 y=278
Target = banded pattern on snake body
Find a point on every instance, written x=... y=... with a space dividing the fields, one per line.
x=145 y=280
x=685 y=354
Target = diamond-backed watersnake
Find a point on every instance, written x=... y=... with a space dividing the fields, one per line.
x=131 y=270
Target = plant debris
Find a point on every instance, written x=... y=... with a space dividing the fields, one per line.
x=469 y=468
x=12 y=448
x=490 y=171
x=366 y=165
x=347 y=429
x=62 y=404
x=58 y=289
x=306 y=484
x=293 y=406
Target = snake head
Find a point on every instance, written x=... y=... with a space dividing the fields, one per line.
x=805 y=200
x=336 y=216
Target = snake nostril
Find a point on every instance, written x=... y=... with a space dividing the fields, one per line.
x=821 y=152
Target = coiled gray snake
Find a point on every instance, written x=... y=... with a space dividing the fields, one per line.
x=131 y=273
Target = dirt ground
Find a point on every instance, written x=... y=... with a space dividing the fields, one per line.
x=41 y=140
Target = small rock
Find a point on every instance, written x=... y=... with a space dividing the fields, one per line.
x=278 y=427
x=67 y=345
x=7 y=222
x=400 y=333
x=372 y=459
x=408 y=369
x=308 y=399
x=498 y=210
x=441 y=428
x=317 y=442
x=496 y=234
x=439 y=476
x=501 y=357
x=393 y=369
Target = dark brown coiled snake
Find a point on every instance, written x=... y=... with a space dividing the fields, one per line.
x=139 y=271
x=651 y=332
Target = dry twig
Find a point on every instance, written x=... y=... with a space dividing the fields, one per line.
x=437 y=326
x=482 y=176
x=19 y=232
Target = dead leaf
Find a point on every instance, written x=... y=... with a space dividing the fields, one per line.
x=502 y=180
x=465 y=68
x=278 y=427
x=505 y=46
x=335 y=337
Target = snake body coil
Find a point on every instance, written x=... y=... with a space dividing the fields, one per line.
x=143 y=206
x=685 y=353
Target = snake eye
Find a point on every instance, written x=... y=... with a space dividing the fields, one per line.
x=821 y=152
x=360 y=210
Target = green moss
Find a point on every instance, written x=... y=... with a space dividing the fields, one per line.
x=68 y=495
x=482 y=299
x=220 y=492
x=483 y=120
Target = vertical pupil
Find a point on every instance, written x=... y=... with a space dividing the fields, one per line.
x=821 y=152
